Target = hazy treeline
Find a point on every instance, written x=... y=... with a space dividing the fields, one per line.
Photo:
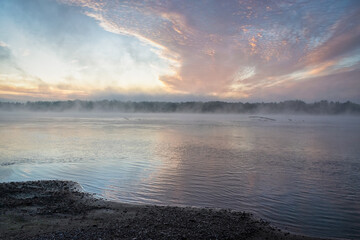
x=296 y=106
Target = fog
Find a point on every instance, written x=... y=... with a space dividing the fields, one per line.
x=287 y=107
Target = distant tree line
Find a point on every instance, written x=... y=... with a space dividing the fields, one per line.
x=294 y=106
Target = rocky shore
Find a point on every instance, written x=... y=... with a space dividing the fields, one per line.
x=60 y=210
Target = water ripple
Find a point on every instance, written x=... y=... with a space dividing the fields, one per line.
x=303 y=177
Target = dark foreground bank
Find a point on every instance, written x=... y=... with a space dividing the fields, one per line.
x=60 y=210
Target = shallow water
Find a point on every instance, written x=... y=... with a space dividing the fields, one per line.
x=301 y=173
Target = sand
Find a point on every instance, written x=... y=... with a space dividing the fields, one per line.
x=60 y=210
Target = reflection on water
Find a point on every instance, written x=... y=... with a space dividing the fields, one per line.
x=302 y=175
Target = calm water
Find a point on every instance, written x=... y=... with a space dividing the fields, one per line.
x=302 y=175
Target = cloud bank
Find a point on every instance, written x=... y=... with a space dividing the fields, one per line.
x=237 y=48
x=255 y=50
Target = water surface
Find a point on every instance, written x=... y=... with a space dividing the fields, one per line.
x=299 y=172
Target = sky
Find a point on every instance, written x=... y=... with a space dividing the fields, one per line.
x=180 y=50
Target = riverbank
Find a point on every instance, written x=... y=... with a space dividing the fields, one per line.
x=60 y=210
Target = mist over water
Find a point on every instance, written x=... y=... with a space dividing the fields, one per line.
x=115 y=106
x=299 y=172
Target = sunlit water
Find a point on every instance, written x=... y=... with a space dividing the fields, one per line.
x=301 y=173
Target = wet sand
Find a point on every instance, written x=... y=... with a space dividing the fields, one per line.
x=60 y=210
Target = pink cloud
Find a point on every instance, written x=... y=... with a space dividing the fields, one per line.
x=207 y=44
